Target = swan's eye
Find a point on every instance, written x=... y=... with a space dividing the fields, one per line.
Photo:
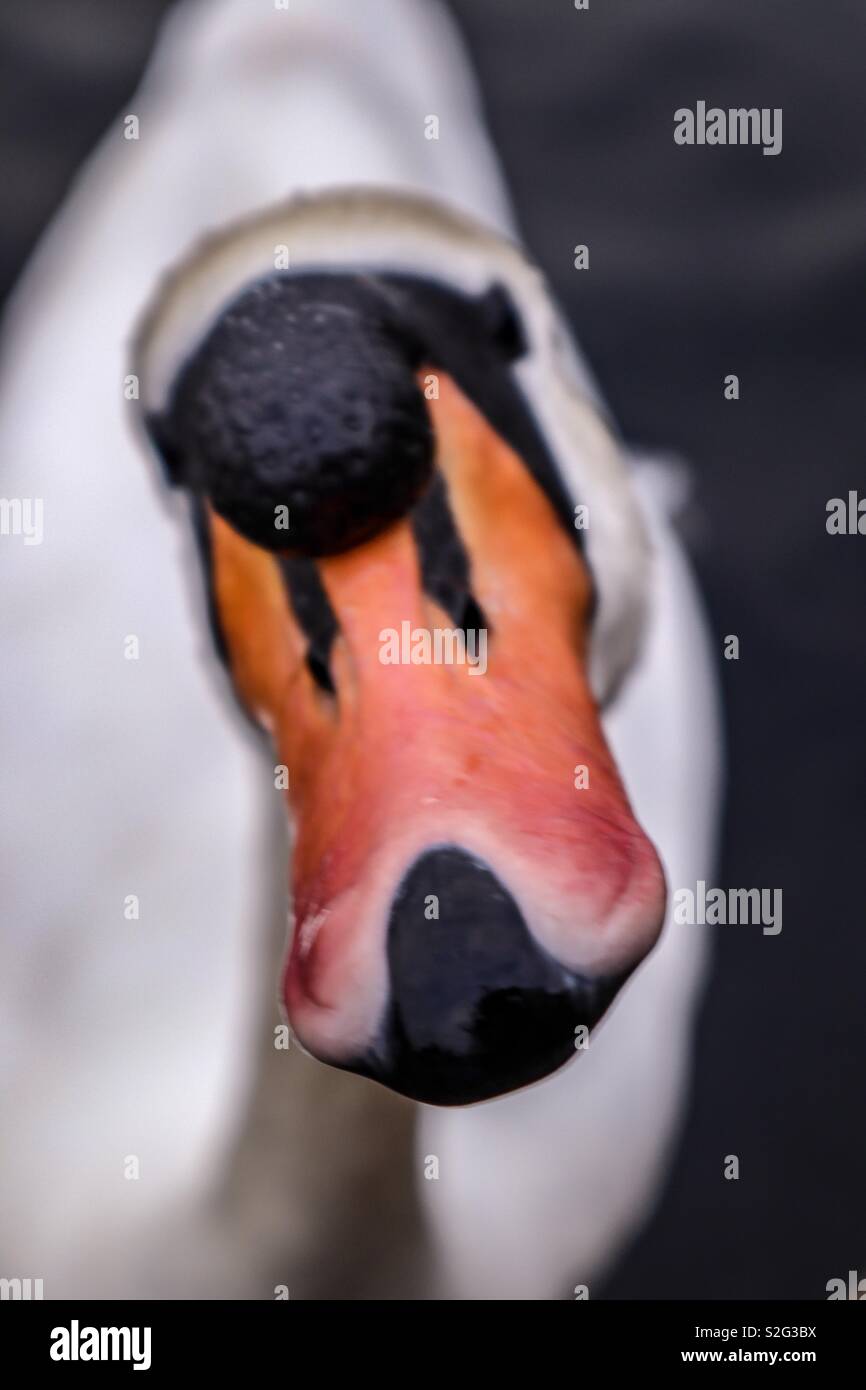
x=300 y=418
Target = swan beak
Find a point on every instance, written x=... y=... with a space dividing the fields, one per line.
x=470 y=885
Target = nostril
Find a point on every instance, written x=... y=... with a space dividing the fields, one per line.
x=319 y=669
x=477 y=1008
x=472 y=618
x=314 y=613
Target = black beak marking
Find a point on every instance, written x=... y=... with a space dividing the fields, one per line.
x=477 y=1008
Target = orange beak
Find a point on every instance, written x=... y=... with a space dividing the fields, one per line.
x=470 y=884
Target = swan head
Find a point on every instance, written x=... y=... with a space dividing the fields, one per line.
x=405 y=605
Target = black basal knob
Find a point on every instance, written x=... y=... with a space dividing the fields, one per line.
x=303 y=396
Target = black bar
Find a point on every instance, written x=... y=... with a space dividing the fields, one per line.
x=230 y=1338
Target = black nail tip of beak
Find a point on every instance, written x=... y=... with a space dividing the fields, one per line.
x=477 y=1007
x=516 y=1038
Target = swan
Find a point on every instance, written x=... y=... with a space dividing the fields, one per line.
x=150 y=1088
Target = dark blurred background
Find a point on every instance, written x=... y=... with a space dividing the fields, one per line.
x=703 y=262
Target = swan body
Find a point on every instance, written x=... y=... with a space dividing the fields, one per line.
x=142 y=831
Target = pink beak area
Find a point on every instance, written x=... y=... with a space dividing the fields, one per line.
x=470 y=883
